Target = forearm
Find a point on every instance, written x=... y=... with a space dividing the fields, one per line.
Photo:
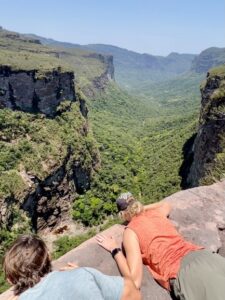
x=125 y=270
x=122 y=265
x=112 y=246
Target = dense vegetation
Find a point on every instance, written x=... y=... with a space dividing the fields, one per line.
x=22 y=53
x=38 y=145
x=141 y=142
x=66 y=243
x=208 y=59
x=140 y=136
x=35 y=145
x=140 y=139
x=132 y=68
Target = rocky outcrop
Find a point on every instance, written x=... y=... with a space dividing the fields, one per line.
x=199 y=215
x=99 y=83
x=46 y=196
x=48 y=201
x=34 y=91
x=107 y=60
x=209 y=145
x=49 y=204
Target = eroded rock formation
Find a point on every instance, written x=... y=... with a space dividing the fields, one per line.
x=47 y=195
x=35 y=91
x=209 y=145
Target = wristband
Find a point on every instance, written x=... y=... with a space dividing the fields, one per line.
x=115 y=251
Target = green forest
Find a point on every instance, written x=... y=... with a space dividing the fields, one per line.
x=140 y=139
x=138 y=134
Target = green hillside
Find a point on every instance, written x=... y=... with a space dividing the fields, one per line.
x=25 y=53
x=33 y=147
x=208 y=59
x=132 y=68
x=141 y=141
x=140 y=134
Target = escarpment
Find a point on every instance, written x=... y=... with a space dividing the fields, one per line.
x=35 y=91
x=101 y=81
x=47 y=152
x=209 y=146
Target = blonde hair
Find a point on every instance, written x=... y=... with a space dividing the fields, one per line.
x=134 y=208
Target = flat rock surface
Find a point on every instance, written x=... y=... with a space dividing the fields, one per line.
x=199 y=215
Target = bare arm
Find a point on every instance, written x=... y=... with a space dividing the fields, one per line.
x=133 y=255
x=130 y=291
x=108 y=243
x=163 y=206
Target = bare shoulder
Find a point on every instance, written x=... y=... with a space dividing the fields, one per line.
x=166 y=208
x=162 y=207
x=129 y=235
x=130 y=241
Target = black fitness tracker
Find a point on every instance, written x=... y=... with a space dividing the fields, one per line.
x=115 y=251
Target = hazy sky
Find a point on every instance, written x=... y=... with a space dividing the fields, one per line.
x=151 y=26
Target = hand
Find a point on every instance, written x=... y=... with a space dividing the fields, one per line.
x=69 y=266
x=108 y=243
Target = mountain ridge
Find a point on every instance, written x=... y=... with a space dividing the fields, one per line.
x=132 y=68
x=128 y=62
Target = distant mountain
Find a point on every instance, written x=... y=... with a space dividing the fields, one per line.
x=207 y=59
x=132 y=68
x=175 y=63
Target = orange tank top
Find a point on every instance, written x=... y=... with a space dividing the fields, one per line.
x=162 y=247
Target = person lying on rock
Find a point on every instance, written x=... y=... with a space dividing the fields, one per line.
x=187 y=270
x=27 y=266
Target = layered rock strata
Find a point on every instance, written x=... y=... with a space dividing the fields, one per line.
x=35 y=91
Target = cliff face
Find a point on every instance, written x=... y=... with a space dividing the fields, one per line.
x=48 y=203
x=44 y=165
x=108 y=75
x=100 y=82
x=209 y=145
x=93 y=71
x=47 y=154
x=35 y=91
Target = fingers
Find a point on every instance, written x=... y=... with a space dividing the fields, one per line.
x=69 y=266
x=100 y=238
x=72 y=264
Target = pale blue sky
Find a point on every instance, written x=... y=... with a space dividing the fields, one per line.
x=157 y=27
